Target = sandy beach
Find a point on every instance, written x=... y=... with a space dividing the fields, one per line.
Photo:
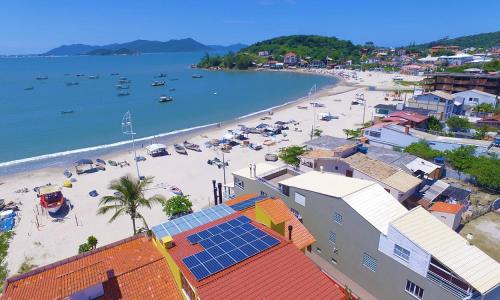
x=52 y=241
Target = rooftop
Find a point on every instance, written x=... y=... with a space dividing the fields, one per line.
x=279 y=271
x=389 y=156
x=433 y=236
x=261 y=168
x=130 y=269
x=440 y=94
x=329 y=142
x=419 y=164
x=446 y=207
x=476 y=91
x=409 y=115
x=319 y=153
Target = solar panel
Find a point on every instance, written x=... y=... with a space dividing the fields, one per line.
x=225 y=245
x=247 y=203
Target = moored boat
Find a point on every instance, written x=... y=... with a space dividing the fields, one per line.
x=192 y=146
x=122 y=86
x=164 y=99
x=51 y=198
x=158 y=83
x=42 y=77
x=30 y=88
x=196 y=76
x=63 y=112
x=123 y=93
x=72 y=83
x=180 y=149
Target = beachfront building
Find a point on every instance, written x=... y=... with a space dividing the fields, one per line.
x=407 y=118
x=438 y=101
x=221 y=253
x=365 y=235
x=449 y=214
x=467 y=100
x=456 y=60
x=290 y=59
x=493 y=121
x=459 y=82
x=128 y=269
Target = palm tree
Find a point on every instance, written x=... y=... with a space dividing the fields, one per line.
x=128 y=198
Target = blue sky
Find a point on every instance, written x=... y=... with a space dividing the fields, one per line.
x=35 y=26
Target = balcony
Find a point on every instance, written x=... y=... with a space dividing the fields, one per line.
x=272 y=178
x=452 y=284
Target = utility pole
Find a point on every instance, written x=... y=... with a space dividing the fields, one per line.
x=128 y=129
x=313 y=88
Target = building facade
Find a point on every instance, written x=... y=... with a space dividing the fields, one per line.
x=459 y=82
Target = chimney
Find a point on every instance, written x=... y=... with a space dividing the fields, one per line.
x=215 y=192
x=251 y=174
x=321 y=169
x=254 y=171
x=219 y=185
x=290 y=228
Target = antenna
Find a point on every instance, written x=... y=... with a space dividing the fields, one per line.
x=127 y=128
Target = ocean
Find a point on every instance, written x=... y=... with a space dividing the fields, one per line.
x=34 y=131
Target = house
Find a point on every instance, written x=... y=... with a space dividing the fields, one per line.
x=364 y=234
x=438 y=48
x=424 y=169
x=220 y=253
x=459 y=82
x=128 y=269
x=467 y=100
x=263 y=53
x=456 y=60
x=493 y=121
x=290 y=59
x=408 y=118
x=438 y=101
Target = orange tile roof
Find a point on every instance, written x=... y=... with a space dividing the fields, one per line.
x=446 y=207
x=275 y=209
x=301 y=237
x=129 y=269
x=279 y=272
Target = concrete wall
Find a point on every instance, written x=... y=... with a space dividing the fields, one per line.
x=452 y=220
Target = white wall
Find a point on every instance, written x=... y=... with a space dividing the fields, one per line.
x=419 y=259
x=451 y=220
x=477 y=98
x=391 y=137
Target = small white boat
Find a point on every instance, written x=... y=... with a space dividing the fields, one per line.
x=164 y=99
x=158 y=83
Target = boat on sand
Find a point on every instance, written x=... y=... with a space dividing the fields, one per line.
x=180 y=149
x=192 y=146
x=51 y=198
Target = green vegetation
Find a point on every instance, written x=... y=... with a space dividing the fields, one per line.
x=456 y=123
x=4 y=247
x=443 y=52
x=485 y=108
x=312 y=47
x=434 y=124
x=317 y=132
x=482 y=40
x=26 y=266
x=410 y=83
x=177 y=205
x=91 y=244
x=353 y=133
x=290 y=155
x=491 y=66
x=128 y=198
x=484 y=169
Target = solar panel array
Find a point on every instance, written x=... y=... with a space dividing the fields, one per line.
x=225 y=245
x=191 y=221
x=247 y=203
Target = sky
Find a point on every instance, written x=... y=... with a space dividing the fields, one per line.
x=36 y=26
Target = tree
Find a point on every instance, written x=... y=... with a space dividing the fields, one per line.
x=4 y=247
x=423 y=150
x=317 y=132
x=461 y=158
x=456 y=123
x=290 y=155
x=91 y=244
x=83 y=248
x=434 y=124
x=485 y=170
x=481 y=132
x=484 y=108
x=128 y=198
x=354 y=133
x=177 y=205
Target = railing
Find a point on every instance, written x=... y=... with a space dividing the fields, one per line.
x=448 y=282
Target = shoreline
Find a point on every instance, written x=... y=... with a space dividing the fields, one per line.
x=64 y=159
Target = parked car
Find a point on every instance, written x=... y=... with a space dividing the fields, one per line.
x=271 y=157
x=139 y=158
x=255 y=146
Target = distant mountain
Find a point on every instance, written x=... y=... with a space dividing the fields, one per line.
x=230 y=48
x=481 y=40
x=121 y=51
x=144 y=46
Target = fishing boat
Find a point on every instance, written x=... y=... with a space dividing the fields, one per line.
x=172 y=89
x=115 y=74
x=174 y=79
x=51 y=198
x=93 y=77
x=176 y=190
x=72 y=83
x=63 y=112
x=122 y=86
x=123 y=93
x=180 y=149
x=162 y=75
x=158 y=83
x=42 y=77
x=164 y=99
x=30 y=88
x=123 y=78
x=192 y=146
x=196 y=76
x=124 y=81
x=67 y=173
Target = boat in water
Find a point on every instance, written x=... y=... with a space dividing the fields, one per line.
x=30 y=88
x=192 y=146
x=124 y=81
x=158 y=83
x=51 y=198
x=174 y=79
x=196 y=76
x=42 y=77
x=122 y=86
x=123 y=93
x=115 y=74
x=93 y=77
x=164 y=99
x=72 y=83
x=162 y=75
x=172 y=89
x=180 y=149
x=63 y=112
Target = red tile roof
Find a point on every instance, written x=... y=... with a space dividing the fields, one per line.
x=128 y=269
x=281 y=272
x=408 y=115
x=446 y=207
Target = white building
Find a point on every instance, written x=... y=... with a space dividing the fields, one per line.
x=471 y=98
x=457 y=59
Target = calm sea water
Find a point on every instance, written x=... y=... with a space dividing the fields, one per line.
x=32 y=124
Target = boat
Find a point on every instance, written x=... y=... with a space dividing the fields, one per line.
x=180 y=149
x=42 y=77
x=115 y=74
x=192 y=146
x=172 y=89
x=196 y=76
x=30 y=88
x=63 y=112
x=124 y=81
x=93 y=77
x=123 y=93
x=67 y=173
x=51 y=198
x=123 y=78
x=176 y=190
x=158 y=83
x=174 y=79
x=164 y=99
x=122 y=86
x=72 y=83
x=162 y=75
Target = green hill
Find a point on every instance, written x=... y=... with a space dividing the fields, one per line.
x=482 y=40
x=313 y=47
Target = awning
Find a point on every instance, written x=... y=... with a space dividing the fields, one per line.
x=155 y=147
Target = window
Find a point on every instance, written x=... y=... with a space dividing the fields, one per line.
x=402 y=253
x=369 y=262
x=414 y=290
x=375 y=134
x=333 y=237
x=337 y=218
x=239 y=183
x=264 y=194
x=336 y=168
x=300 y=199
